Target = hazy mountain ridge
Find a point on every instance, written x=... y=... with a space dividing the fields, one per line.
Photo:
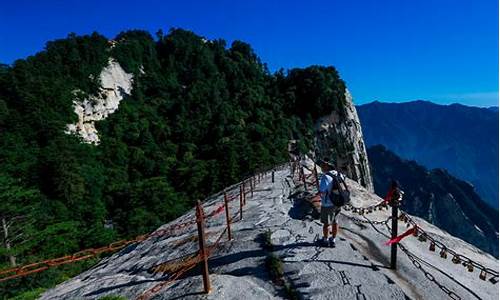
x=459 y=138
x=437 y=197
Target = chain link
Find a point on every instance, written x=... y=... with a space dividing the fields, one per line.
x=367 y=221
x=439 y=244
x=428 y=275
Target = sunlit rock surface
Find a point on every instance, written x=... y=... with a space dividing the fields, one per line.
x=339 y=137
x=355 y=269
x=115 y=84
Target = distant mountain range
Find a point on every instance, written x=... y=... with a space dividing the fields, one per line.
x=438 y=197
x=459 y=138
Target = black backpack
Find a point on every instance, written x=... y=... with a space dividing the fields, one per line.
x=344 y=196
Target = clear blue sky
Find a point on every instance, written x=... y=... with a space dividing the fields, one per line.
x=441 y=50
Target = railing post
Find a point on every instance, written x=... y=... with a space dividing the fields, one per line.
x=241 y=205
x=244 y=193
x=315 y=172
x=228 y=220
x=394 y=233
x=200 y=222
x=241 y=196
x=251 y=186
x=303 y=177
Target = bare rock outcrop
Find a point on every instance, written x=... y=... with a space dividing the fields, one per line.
x=339 y=137
x=357 y=268
x=115 y=84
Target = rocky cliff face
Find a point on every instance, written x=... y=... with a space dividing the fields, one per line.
x=339 y=137
x=115 y=84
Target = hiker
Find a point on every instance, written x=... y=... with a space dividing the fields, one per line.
x=329 y=188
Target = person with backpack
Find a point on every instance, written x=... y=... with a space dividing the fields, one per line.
x=334 y=194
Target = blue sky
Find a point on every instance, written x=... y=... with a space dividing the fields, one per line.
x=443 y=51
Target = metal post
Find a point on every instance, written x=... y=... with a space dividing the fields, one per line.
x=315 y=172
x=251 y=186
x=241 y=205
x=241 y=196
x=272 y=177
x=200 y=221
x=303 y=178
x=228 y=220
x=394 y=247
x=244 y=193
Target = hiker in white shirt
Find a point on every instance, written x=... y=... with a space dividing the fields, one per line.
x=328 y=188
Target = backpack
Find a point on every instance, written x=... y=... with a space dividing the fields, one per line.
x=344 y=196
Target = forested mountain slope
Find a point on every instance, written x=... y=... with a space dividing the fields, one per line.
x=101 y=140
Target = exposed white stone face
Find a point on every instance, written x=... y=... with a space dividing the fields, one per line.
x=115 y=84
x=345 y=130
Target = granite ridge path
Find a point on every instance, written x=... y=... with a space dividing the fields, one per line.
x=357 y=268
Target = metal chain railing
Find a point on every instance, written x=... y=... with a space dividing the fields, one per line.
x=415 y=261
x=367 y=221
x=422 y=236
x=458 y=258
x=177 y=268
x=41 y=266
x=37 y=267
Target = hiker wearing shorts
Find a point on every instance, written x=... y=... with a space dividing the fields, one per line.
x=329 y=212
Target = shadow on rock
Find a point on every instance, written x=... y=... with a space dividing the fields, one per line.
x=302 y=206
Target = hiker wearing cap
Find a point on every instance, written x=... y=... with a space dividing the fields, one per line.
x=329 y=188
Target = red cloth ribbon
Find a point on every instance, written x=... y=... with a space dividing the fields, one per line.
x=216 y=211
x=388 y=196
x=316 y=198
x=402 y=236
x=219 y=210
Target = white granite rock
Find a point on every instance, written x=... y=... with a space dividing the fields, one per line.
x=345 y=129
x=355 y=269
x=115 y=84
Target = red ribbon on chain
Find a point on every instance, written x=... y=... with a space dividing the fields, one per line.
x=217 y=211
x=316 y=198
x=401 y=236
x=388 y=196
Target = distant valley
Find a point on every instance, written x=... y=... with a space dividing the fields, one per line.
x=458 y=138
x=438 y=197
